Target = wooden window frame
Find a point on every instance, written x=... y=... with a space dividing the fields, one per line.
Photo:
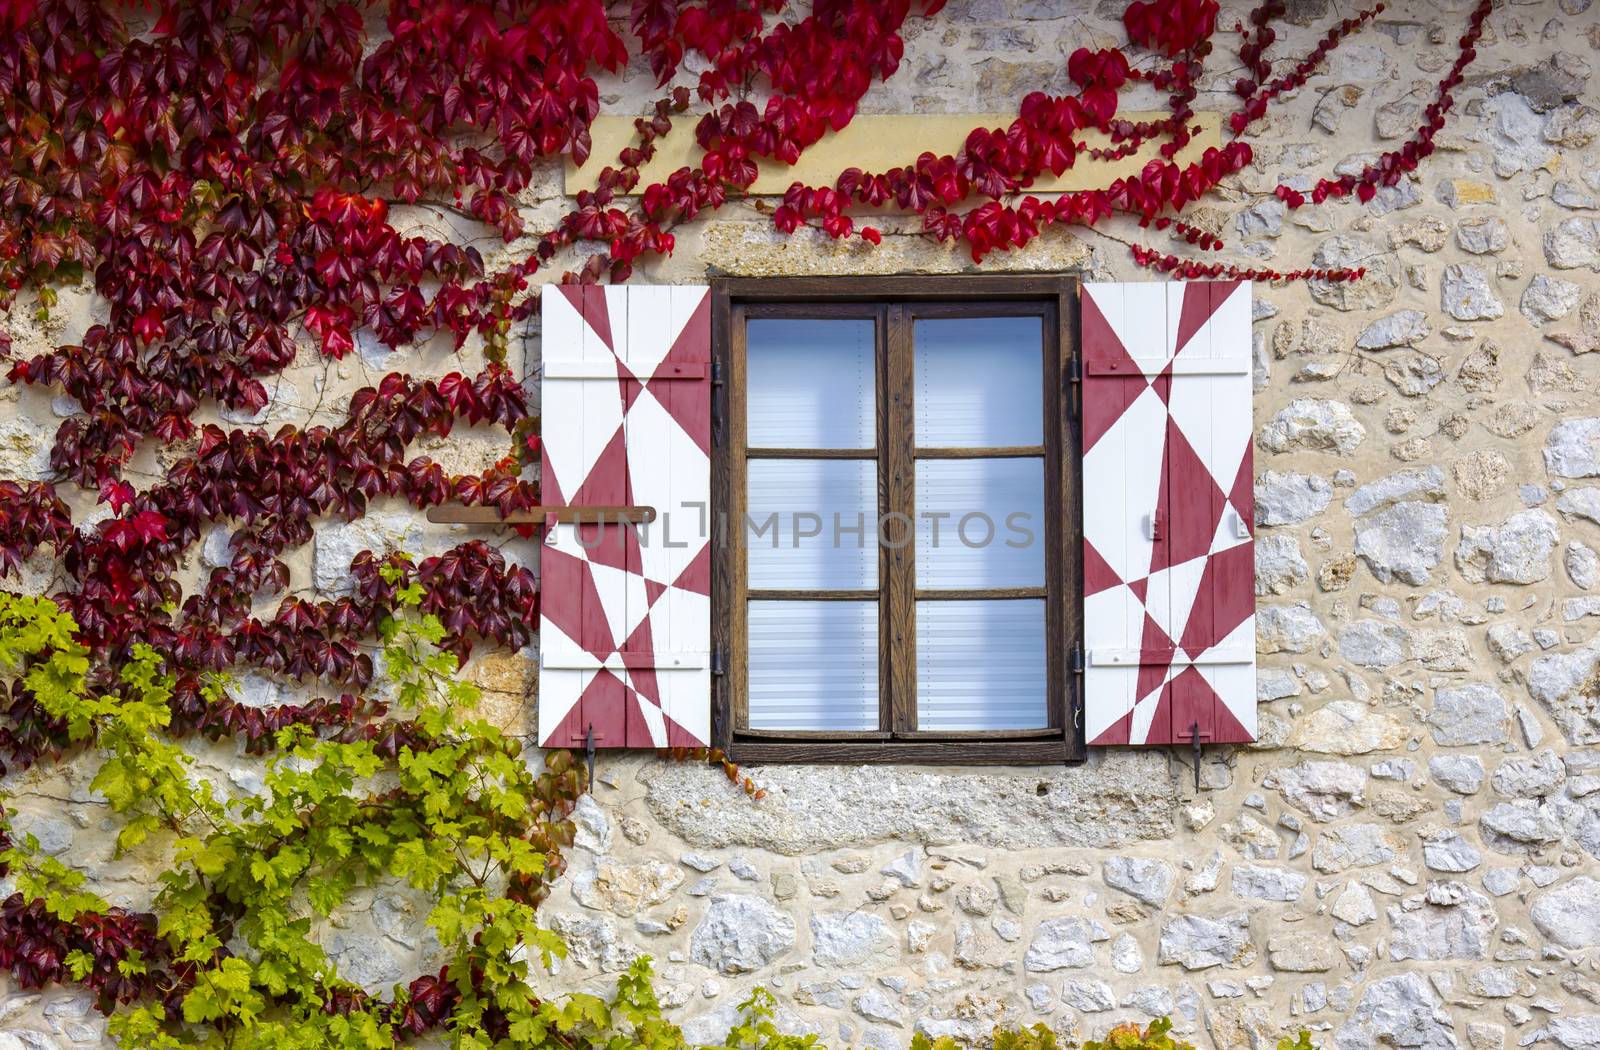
x=1052 y=296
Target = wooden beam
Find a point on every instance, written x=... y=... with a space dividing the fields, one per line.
x=539 y=515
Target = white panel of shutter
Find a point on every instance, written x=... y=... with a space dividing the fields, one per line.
x=1169 y=606
x=625 y=610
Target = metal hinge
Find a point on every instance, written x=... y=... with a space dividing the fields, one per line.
x=1078 y=663
x=716 y=403
x=719 y=665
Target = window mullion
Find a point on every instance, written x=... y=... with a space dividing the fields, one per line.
x=899 y=553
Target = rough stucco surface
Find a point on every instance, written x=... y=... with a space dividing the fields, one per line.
x=1408 y=858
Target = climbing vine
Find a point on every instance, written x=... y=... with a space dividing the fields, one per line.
x=239 y=181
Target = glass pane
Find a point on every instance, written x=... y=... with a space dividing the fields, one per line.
x=980 y=665
x=810 y=383
x=980 y=523
x=812 y=524
x=979 y=382
x=813 y=665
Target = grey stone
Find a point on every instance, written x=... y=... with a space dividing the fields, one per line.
x=1572 y=244
x=592 y=826
x=1347 y=727
x=1414 y=483
x=1354 y=905
x=337 y=543
x=1126 y=955
x=1582 y=564
x=1413 y=373
x=1263 y=219
x=1087 y=995
x=741 y=934
x=1401 y=1011
x=853 y=939
x=1274 y=683
x=1569 y=914
x=1302 y=953
x=1059 y=944
x=1573 y=448
x=1582 y=503
x=875 y=1005
x=1374 y=643
x=1507 y=642
x=1287 y=628
x=365 y=959
x=1287 y=498
x=1116 y=798
x=1470 y=714
x=625 y=889
x=1374 y=291
x=1403 y=542
x=1482 y=236
x=1533 y=777
x=1147 y=880
x=905 y=869
x=1405 y=328
x=1576 y=1032
x=1313 y=424
x=1324 y=790
x=1466 y=295
x=1254 y=882
x=1446 y=850
x=24 y=450
x=216 y=550
x=1355 y=846
x=1565 y=685
x=1462 y=774
x=1518 y=827
x=1516 y=551
x=1279 y=565
x=1548 y=299
x=1449 y=921
x=1197 y=942
x=1515 y=135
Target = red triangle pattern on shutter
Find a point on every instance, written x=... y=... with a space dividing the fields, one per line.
x=1169 y=603
x=625 y=614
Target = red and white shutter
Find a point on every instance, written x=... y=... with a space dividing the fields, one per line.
x=1169 y=562
x=625 y=620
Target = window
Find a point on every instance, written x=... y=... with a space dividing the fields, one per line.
x=896 y=573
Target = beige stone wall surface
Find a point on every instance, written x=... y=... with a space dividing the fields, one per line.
x=1407 y=858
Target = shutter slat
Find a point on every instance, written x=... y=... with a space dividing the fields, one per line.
x=625 y=397
x=1169 y=579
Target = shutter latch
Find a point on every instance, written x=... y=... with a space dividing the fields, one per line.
x=588 y=755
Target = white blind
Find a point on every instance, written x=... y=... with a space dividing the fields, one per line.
x=803 y=546
x=966 y=533
x=978 y=382
x=981 y=664
x=810 y=383
x=813 y=665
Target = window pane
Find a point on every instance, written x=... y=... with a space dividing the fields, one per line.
x=980 y=523
x=812 y=524
x=979 y=382
x=813 y=665
x=980 y=665
x=810 y=383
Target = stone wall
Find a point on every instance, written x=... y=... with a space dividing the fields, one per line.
x=1408 y=856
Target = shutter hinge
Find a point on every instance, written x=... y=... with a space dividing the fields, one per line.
x=1074 y=369
x=716 y=403
x=1078 y=662
x=719 y=666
